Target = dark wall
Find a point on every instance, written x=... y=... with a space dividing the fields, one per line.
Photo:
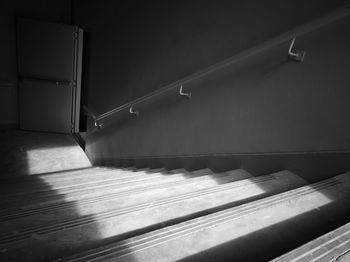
x=264 y=104
x=139 y=46
x=58 y=11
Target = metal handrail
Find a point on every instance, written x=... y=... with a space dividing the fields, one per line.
x=288 y=36
x=89 y=112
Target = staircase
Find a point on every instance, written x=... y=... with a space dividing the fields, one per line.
x=127 y=214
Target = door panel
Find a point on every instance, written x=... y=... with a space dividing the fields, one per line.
x=45 y=106
x=45 y=50
x=49 y=53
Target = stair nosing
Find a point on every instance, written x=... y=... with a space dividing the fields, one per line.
x=102 y=198
x=39 y=196
x=72 y=223
x=248 y=207
x=97 y=182
x=318 y=247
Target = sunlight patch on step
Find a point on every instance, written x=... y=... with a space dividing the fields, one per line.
x=99 y=198
x=121 y=178
x=174 y=243
x=150 y=212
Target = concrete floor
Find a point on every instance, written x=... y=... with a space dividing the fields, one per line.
x=28 y=153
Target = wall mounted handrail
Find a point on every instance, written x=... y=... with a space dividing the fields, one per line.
x=283 y=38
x=89 y=112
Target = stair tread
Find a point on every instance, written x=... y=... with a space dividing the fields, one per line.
x=141 y=216
x=161 y=200
x=59 y=175
x=99 y=178
x=77 y=192
x=197 y=235
x=120 y=198
x=328 y=247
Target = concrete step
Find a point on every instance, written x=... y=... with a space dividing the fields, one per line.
x=333 y=246
x=36 y=214
x=70 y=176
x=255 y=231
x=75 y=193
x=101 y=177
x=67 y=174
x=67 y=237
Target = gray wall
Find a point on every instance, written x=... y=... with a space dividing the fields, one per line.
x=265 y=104
x=47 y=10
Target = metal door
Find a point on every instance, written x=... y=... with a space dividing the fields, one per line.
x=49 y=65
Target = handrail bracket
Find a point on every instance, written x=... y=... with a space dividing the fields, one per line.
x=90 y=113
x=187 y=95
x=296 y=55
x=133 y=112
x=98 y=125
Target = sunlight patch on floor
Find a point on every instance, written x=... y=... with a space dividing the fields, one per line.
x=53 y=159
